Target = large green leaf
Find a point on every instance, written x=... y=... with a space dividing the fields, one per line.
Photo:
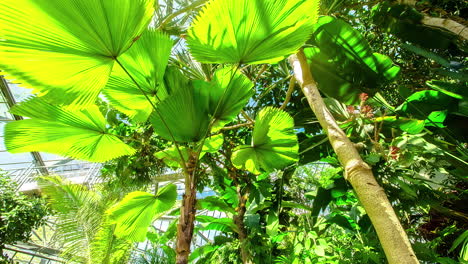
x=65 y=49
x=229 y=93
x=421 y=104
x=188 y=112
x=80 y=134
x=222 y=224
x=183 y=116
x=137 y=210
x=412 y=126
x=338 y=39
x=214 y=203
x=251 y=31
x=331 y=80
x=343 y=62
x=274 y=144
x=146 y=62
x=404 y=22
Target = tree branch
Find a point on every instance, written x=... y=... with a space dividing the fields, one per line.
x=292 y=83
x=446 y=24
x=248 y=124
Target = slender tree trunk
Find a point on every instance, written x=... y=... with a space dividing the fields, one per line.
x=187 y=214
x=239 y=221
x=391 y=234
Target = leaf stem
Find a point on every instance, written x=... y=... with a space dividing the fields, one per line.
x=184 y=166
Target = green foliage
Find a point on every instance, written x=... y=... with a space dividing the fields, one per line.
x=343 y=63
x=19 y=214
x=69 y=52
x=72 y=44
x=79 y=134
x=146 y=63
x=404 y=21
x=134 y=214
x=256 y=31
x=81 y=226
x=274 y=144
x=189 y=113
x=228 y=93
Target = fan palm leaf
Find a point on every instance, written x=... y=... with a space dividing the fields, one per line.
x=251 y=31
x=65 y=49
x=229 y=93
x=80 y=134
x=190 y=110
x=274 y=143
x=183 y=116
x=135 y=213
x=146 y=62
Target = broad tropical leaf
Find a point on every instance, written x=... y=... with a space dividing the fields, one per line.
x=135 y=213
x=188 y=112
x=183 y=116
x=421 y=104
x=214 y=203
x=251 y=31
x=331 y=80
x=338 y=39
x=343 y=62
x=223 y=224
x=412 y=126
x=65 y=49
x=79 y=134
x=146 y=62
x=229 y=93
x=274 y=144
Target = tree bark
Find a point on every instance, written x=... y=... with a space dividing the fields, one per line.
x=239 y=221
x=391 y=234
x=446 y=24
x=187 y=214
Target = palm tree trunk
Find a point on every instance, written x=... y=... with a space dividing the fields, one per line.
x=187 y=214
x=239 y=220
x=391 y=234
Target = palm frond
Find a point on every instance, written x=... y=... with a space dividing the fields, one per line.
x=229 y=92
x=274 y=143
x=134 y=214
x=255 y=31
x=80 y=134
x=106 y=248
x=184 y=114
x=146 y=62
x=79 y=213
x=65 y=49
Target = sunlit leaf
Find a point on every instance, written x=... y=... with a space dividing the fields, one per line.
x=146 y=62
x=134 y=214
x=229 y=93
x=65 y=50
x=171 y=155
x=274 y=144
x=80 y=134
x=412 y=126
x=343 y=63
x=422 y=103
x=183 y=116
x=251 y=31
